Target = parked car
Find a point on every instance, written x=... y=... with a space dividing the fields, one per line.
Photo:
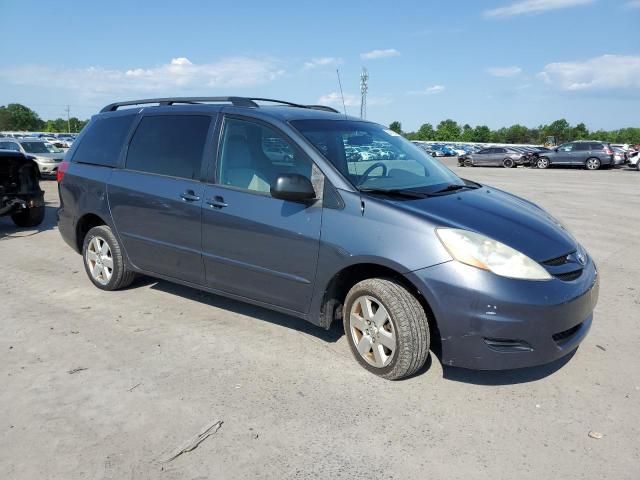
x=506 y=157
x=403 y=252
x=619 y=156
x=634 y=160
x=589 y=154
x=47 y=156
x=20 y=193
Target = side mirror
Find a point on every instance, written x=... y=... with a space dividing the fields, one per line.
x=293 y=187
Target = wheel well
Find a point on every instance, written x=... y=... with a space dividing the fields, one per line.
x=86 y=223
x=346 y=278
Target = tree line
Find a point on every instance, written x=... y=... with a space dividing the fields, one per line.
x=450 y=131
x=17 y=117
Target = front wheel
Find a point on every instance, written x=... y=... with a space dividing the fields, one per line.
x=386 y=327
x=542 y=162
x=103 y=260
x=592 y=164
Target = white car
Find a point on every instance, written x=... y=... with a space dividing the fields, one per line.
x=634 y=160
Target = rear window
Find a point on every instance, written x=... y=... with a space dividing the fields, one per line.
x=103 y=141
x=169 y=145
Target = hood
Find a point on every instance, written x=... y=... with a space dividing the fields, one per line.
x=51 y=156
x=511 y=220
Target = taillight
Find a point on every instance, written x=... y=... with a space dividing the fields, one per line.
x=61 y=169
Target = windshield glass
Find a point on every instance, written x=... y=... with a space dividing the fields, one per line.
x=39 y=147
x=372 y=157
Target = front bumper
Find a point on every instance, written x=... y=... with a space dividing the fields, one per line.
x=48 y=168
x=488 y=322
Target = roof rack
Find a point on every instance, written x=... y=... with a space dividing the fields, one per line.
x=235 y=101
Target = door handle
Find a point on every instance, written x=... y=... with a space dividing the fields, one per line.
x=189 y=196
x=217 y=202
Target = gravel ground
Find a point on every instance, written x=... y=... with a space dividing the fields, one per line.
x=162 y=362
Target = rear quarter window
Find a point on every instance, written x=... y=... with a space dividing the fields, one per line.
x=102 y=143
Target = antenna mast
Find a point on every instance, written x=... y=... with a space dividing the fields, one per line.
x=364 y=87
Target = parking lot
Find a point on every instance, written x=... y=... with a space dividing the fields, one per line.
x=101 y=385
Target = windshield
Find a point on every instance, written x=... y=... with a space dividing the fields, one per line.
x=372 y=157
x=39 y=147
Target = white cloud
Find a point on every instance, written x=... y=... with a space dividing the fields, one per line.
x=179 y=75
x=384 y=53
x=432 y=90
x=631 y=4
x=504 y=71
x=322 y=62
x=533 y=6
x=607 y=72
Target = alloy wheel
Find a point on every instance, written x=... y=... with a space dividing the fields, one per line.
x=593 y=164
x=372 y=331
x=543 y=163
x=99 y=260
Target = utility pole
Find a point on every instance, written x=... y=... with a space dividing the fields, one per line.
x=364 y=88
x=68 y=110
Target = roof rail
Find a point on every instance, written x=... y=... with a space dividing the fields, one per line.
x=235 y=101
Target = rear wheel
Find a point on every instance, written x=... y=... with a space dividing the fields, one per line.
x=28 y=217
x=638 y=165
x=508 y=163
x=103 y=260
x=592 y=164
x=386 y=327
x=468 y=162
x=543 y=162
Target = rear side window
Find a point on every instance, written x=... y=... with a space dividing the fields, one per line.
x=596 y=146
x=9 y=146
x=582 y=147
x=102 y=143
x=169 y=145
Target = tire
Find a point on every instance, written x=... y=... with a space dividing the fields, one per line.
x=29 y=217
x=468 y=163
x=592 y=164
x=543 y=162
x=638 y=165
x=403 y=325
x=508 y=163
x=105 y=266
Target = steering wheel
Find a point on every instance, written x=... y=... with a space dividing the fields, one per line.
x=368 y=171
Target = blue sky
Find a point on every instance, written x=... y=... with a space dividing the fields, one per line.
x=494 y=62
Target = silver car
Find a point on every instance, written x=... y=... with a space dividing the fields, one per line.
x=493 y=157
x=47 y=156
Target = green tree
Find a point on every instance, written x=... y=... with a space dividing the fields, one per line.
x=467 y=133
x=426 y=132
x=22 y=118
x=396 y=127
x=5 y=118
x=516 y=134
x=560 y=129
x=482 y=134
x=448 y=130
x=579 y=132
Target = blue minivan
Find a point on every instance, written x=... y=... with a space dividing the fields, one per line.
x=258 y=200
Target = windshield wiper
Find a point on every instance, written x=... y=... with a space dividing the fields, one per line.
x=452 y=188
x=397 y=192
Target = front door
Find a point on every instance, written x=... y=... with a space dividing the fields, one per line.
x=156 y=200
x=254 y=245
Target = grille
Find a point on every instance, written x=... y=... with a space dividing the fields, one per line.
x=561 y=337
x=555 y=262
x=568 y=276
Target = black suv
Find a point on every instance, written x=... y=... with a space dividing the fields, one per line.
x=589 y=154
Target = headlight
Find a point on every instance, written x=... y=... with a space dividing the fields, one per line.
x=482 y=252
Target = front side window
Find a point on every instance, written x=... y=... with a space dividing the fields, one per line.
x=372 y=157
x=169 y=145
x=567 y=147
x=253 y=155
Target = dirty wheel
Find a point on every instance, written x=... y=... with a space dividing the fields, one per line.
x=508 y=163
x=103 y=260
x=387 y=328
